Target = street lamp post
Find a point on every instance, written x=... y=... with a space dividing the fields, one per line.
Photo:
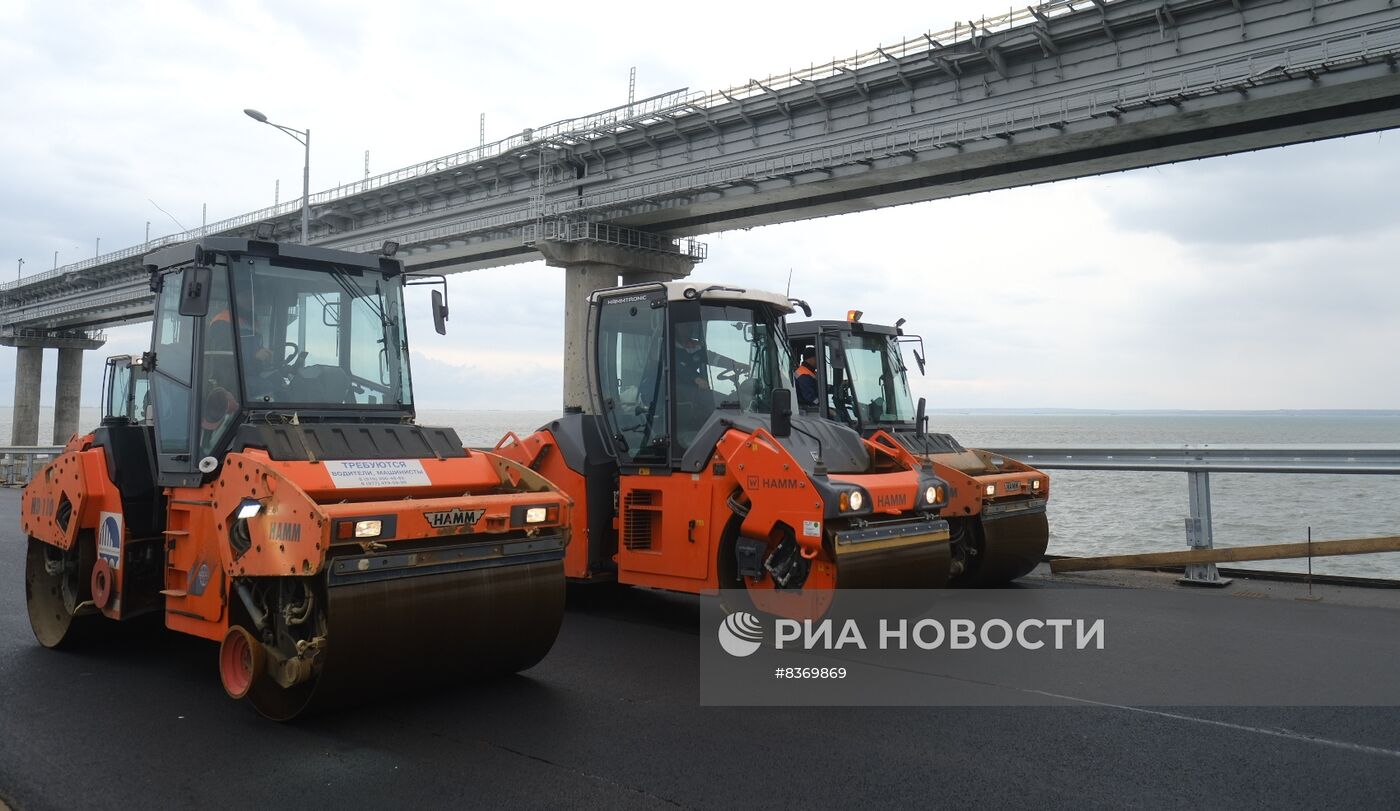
x=302 y=137
x=19 y=274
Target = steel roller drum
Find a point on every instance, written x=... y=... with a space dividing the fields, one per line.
x=910 y=563
x=1012 y=545
x=390 y=636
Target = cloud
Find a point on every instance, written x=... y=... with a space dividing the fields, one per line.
x=1290 y=194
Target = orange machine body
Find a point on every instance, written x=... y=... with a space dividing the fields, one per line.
x=996 y=505
x=980 y=479
x=690 y=471
x=303 y=517
x=675 y=530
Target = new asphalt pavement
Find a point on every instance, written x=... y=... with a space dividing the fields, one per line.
x=612 y=718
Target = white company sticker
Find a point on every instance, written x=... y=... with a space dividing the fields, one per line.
x=378 y=473
x=109 y=539
x=811 y=529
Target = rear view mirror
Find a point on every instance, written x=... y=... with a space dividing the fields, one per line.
x=439 y=313
x=439 y=299
x=194 y=291
x=835 y=355
x=782 y=413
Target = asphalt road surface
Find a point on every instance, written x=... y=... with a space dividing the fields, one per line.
x=611 y=718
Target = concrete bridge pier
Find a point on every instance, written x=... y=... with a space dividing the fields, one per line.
x=68 y=394
x=590 y=266
x=29 y=371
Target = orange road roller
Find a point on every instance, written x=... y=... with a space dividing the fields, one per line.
x=690 y=471
x=258 y=478
x=857 y=377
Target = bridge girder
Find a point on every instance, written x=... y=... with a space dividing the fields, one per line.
x=1136 y=82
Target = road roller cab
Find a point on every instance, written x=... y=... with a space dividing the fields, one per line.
x=689 y=470
x=126 y=391
x=276 y=495
x=996 y=512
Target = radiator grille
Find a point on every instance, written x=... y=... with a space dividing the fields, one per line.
x=641 y=519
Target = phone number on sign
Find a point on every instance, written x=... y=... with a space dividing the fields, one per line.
x=809 y=673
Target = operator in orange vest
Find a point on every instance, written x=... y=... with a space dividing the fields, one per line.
x=805 y=378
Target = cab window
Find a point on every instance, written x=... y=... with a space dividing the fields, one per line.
x=632 y=375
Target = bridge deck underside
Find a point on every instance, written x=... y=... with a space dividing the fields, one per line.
x=1105 y=88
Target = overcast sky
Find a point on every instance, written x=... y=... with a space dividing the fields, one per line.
x=1256 y=281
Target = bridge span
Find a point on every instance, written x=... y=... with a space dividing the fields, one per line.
x=1065 y=89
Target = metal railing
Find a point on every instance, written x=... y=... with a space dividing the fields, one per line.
x=1199 y=461
x=622 y=237
x=19 y=462
x=40 y=334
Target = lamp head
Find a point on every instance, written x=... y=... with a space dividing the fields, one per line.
x=255 y=115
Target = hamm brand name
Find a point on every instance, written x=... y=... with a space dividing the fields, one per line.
x=892 y=500
x=453 y=518
x=766 y=483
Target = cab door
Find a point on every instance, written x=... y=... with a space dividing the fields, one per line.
x=173 y=345
x=117 y=394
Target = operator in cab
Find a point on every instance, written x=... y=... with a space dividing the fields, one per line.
x=805 y=378
x=695 y=400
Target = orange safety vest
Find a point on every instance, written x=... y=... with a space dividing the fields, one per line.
x=804 y=371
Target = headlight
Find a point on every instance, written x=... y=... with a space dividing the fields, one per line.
x=536 y=515
x=249 y=508
x=991 y=489
x=857 y=500
x=368 y=529
x=931 y=494
x=1035 y=485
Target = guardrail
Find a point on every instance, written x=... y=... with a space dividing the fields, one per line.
x=18 y=462
x=1199 y=461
